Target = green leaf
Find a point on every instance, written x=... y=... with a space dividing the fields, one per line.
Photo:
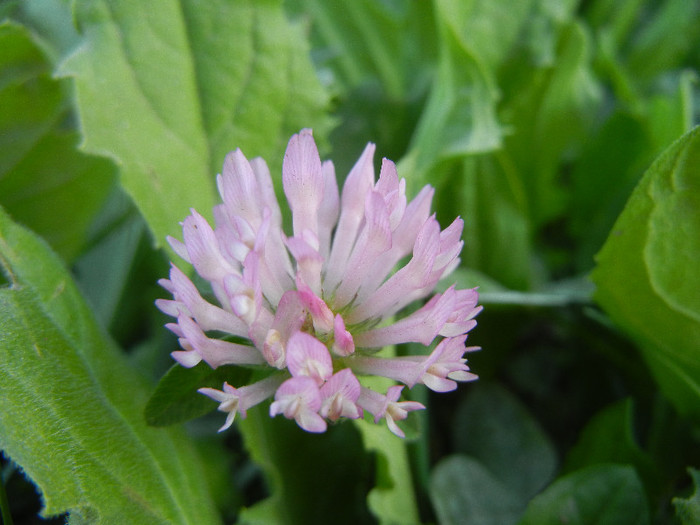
x=176 y=399
x=646 y=274
x=392 y=499
x=463 y=490
x=72 y=405
x=459 y=117
x=311 y=477
x=551 y=110
x=688 y=509
x=167 y=92
x=609 y=438
x=496 y=429
x=44 y=182
x=497 y=231
x=600 y=494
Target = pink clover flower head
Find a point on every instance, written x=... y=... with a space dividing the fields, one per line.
x=315 y=306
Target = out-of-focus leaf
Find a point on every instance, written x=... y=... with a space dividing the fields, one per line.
x=460 y=115
x=598 y=494
x=497 y=232
x=688 y=509
x=44 y=182
x=51 y=24
x=665 y=38
x=609 y=438
x=603 y=179
x=462 y=490
x=550 y=112
x=31 y=102
x=176 y=399
x=646 y=274
x=167 y=92
x=72 y=406
x=57 y=191
x=494 y=428
x=377 y=59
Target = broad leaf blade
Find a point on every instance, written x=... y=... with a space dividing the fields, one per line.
x=168 y=92
x=646 y=274
x=72 y=406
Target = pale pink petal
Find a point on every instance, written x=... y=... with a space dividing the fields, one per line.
x=302 y=178
x=307 y=356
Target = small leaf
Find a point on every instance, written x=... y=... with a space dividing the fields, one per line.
x=176 y=399
x=688 y=509
x=463 y=490
x=598 y=494
x=72 y=405
x=646 y=274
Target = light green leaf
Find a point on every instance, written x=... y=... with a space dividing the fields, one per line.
x=72 y=406
x=462 y=490
x=392 y=499
x=688 y=509
x=493 y=427
x=167 y=92
x=646 y=274
x=600 y=494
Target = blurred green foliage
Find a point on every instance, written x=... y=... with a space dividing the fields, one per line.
x=537 y=121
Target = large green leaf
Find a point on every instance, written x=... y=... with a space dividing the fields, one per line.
x=646 y=274
x=72 y=405
x=600 y=494
x=167 y=92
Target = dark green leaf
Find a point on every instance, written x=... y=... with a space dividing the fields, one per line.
x=496 y=429
x=44 y=182
x=463 y=490
x=602 y=494
x=176 y=399
x=688 y=509
x=609 y=438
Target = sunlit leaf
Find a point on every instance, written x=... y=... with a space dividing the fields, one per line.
x=646 y=275
x=167 y=92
